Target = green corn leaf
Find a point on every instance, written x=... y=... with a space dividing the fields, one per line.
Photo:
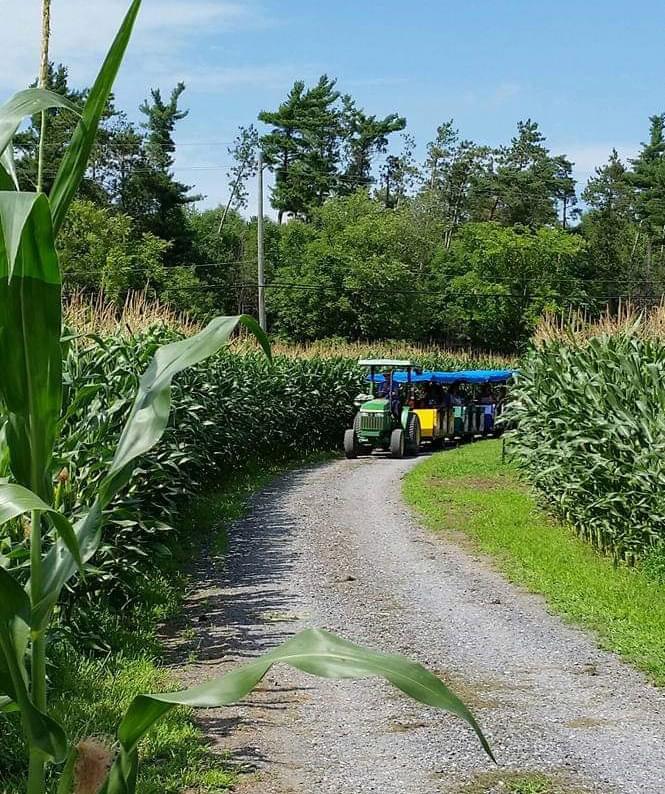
x=14 y=609
x=4 y=449
x=75 y=161
x=30 y=326
x=24 y=104
x=83 y=395
x=8 y=177
x=7 y=705
x=313 y=651
x=41 y=730
x=15 y=500
x=67 y=779
x=145 y=426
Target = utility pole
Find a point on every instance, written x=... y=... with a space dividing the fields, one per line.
x=260 y=254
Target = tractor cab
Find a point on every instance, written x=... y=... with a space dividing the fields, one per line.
x=385 y=419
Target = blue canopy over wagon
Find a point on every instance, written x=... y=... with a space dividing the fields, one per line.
x=472 y=376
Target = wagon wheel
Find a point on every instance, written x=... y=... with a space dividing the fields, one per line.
x=413 y=434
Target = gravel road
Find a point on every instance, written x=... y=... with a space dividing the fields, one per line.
x=334 y=546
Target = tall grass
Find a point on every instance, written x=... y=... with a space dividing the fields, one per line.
x=589 y=413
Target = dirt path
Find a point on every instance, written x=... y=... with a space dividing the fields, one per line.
x=334 y=546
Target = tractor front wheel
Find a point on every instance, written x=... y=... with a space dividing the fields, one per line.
x=397 y=443
x=351 y=444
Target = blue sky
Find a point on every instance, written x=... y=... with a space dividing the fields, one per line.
x=589 y=72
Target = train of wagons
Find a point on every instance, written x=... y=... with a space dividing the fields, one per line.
x=407 y=407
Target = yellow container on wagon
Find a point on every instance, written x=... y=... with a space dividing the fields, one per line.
x=429 y=421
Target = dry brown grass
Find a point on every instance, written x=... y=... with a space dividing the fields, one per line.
x=577 y=326
x=139 y=312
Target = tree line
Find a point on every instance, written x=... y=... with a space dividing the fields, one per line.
x=467 y=246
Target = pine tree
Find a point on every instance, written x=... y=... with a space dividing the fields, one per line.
x=152 y=195
x=321 y=144
x=452 y=168
x=526 y=183
x=648 y=177
x=616 y=259
x=303 y=147
x=399 y=174
x=60 y=128
x=364 y=137
x=244 y=151
x=610 y=192
x=116 y=152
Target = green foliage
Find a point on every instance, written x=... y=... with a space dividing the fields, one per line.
x=356 y=271
x=152 y=195
x=363 y=272
x=495 y=281
x=654 y=564
x=101 y=250
x=90 y=695
x=622 y=605
x=527 y=184
x=647 y=177
x=590 y=434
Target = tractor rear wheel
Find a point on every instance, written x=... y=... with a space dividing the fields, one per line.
x=397 y=443
x=350 y=444
x=413 y=434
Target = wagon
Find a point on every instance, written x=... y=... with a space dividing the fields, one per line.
x=445 y=415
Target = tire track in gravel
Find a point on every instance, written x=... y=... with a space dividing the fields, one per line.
x=334 y=546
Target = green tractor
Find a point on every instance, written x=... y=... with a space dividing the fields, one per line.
x=384 y=419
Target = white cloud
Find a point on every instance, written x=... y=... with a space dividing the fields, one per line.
x=504 y=92
x=83 y=30
x=587 y=157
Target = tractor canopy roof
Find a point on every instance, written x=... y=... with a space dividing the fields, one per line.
x=387 y=363
x=477 y=376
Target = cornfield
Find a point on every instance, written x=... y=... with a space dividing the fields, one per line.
x=589 y=413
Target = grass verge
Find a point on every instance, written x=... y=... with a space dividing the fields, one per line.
x=470 y=490
x=89 y=695
x=502 y=782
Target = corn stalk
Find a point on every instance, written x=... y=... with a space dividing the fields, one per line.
x=43 y=81
x=31 y=393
